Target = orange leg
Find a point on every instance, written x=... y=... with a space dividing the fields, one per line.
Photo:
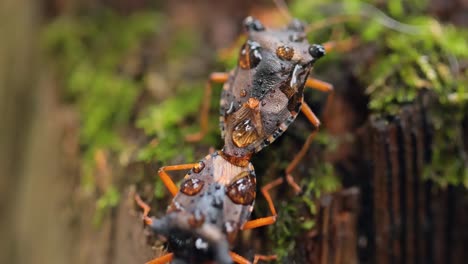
x=293 y=164
x=341 y=45
x=301 y=153
x=167 y=179
x=264 y=258
x=162 y=260
x=264 y=221
x=238 y=258
x=313 y=119
x=216 y=77
x=241 y=260
x=146 y=208
x=319 y=85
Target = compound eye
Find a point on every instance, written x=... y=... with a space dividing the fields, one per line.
x=251 y=23
x=242 y=189
x=250 y=55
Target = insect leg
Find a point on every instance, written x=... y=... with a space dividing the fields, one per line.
x=310 y=115
x=162 y=260
x=264 y=221
x=319 y=85
x=264 y=258
x=215 y=77
x=292 y=165
x=238 y=258
x=146 y=208
x=341 y=45
x=170 y=185
x=241 y=260
x=261 y=222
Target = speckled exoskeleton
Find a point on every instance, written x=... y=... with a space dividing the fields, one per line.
x=264 y=94
x=213 y=203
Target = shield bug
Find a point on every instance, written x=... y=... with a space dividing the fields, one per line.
x=264 y=94
x=212 y=205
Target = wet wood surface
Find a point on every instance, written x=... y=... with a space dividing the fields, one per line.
x=408 y=219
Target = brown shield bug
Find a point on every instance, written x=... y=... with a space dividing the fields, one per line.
x=213 y=203
x=264 y=94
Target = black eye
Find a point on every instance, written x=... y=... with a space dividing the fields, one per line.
x=242 y=190
x=250 y=55
x=317 y=51
x=251 y=23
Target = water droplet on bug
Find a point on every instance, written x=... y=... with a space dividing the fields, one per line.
x=251 y=23
x=199 y=167
x=191 y=186
x=243 y=190
x=244 y=134
x=197 y=219
x=285 y=52
x=250 y=55
x=243 y=93
x=297 y=37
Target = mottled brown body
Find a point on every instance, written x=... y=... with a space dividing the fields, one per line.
x=264 y=93
x=221 y=193
x=213 y=203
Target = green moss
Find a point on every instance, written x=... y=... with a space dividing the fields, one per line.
x=426 y=66
x=87 y=52
x=166 y=123
x=297 y=215
x=159 y=119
